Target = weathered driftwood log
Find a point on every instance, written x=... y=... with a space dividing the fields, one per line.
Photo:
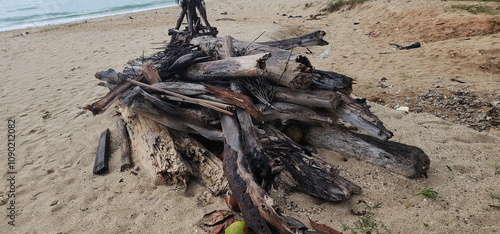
x=152 y=145
x=311 y=39
x=406 y=160
x=102 y=154
x=305 y=171
x=257 y=206
x=181 y=119
x=284 y=67
x=244 y=66
x=124 y=145
x=287 y=111
x=361 y=117
x=206 y=166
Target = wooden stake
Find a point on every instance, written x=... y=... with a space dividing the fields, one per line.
x=124 y=145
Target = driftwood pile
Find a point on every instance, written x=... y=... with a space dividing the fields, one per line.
x=241 y=116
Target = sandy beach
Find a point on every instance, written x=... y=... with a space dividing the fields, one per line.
x=48 y=75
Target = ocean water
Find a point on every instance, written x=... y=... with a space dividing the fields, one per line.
x=17 y=14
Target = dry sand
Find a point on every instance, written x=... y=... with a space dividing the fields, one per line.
x=48 y=74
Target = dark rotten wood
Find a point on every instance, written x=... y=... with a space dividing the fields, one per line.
x=257 y=206
x=102 y=154
x=305 y=171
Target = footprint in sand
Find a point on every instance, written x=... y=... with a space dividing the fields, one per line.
x=46 y=115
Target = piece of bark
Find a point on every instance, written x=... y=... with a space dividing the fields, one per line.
x=360 y=116
x=257 y=206
x=316 y=98
x=406 y=160
x=206 y=166
x=306 y=171
x=150 y=73
x=244 y=66
x=124 y=145
x=152 y=145
x=311 y=39
x=102 y=154
x=181 y=119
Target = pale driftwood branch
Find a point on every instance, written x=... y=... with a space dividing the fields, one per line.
x=200 y=102
x=102 y=154
x=181 y=119
x=152 y=145
x=406 y=160
x=311 y=39
x=361 y=117
x=124 y=145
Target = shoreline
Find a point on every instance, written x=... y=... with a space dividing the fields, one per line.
x=80 y=19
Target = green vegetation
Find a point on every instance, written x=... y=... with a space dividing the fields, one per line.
x=478 y=9
x=494 y=196
x=426 y=224
x=307 y=5
x=368 y=86
x=404 y=75
x=428 y=192
x=497 y=169
x=366 y=222
x=336 y=5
